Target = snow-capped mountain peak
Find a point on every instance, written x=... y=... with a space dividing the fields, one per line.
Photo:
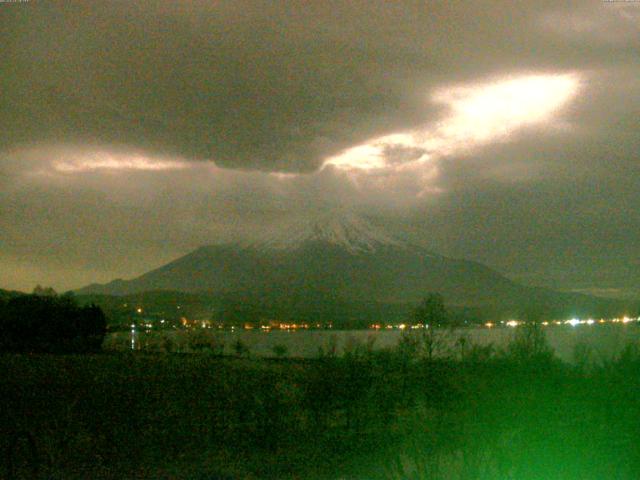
x=353 y=232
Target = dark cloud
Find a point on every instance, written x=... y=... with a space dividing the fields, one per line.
x=269 y=85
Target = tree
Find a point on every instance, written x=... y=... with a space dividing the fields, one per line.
x=431 y=313
x=35 y=323
x=529 y=343
x=44 y=291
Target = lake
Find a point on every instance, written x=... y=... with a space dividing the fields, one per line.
x=602 y=340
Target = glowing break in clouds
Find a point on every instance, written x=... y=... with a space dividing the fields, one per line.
x=398 y=167
x=102 y=161
x=478 y=114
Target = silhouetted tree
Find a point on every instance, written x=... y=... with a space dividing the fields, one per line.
x=432 y=313
x=529 y=343
x=44 y=291
x=36 y=323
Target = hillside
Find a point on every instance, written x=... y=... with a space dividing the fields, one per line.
x=346 y=263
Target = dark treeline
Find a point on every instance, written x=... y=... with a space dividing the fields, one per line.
x=240 y=308
x=50 y=323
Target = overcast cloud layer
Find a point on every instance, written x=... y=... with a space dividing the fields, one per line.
x=503 y=132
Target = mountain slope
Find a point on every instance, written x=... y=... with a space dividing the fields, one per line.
x=346 y=261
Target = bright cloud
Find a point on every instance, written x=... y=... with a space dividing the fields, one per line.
x=399 y=166
x=96 y=161
x=482 y=113
x=478 y=114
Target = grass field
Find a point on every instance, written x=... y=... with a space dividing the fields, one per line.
x=388 y=414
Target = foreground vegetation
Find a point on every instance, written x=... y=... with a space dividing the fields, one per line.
x=370 y=414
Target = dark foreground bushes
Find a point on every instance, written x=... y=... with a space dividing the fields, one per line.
x=366 y=415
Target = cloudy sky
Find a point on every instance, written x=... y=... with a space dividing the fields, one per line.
x=505 y=132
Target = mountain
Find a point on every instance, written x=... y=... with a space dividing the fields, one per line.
x=346 y=260
x=345 y=230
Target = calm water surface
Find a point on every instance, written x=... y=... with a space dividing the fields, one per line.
x=603 y=341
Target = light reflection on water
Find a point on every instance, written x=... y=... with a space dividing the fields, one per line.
x=603 y=341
